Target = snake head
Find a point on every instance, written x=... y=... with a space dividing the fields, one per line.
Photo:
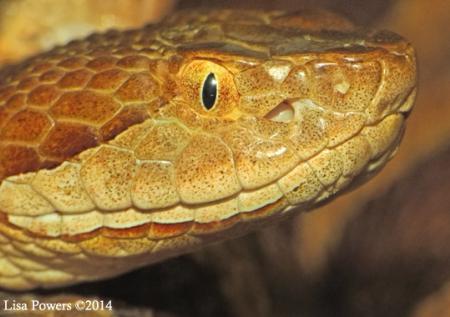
x=305 y=100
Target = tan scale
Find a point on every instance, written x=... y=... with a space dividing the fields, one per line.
x=111 y=158
x=154 y=185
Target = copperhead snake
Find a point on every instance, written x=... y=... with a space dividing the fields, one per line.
x=128 y=147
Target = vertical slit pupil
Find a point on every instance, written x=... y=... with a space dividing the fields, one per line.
x=209 y=91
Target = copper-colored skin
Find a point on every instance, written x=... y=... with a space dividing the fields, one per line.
x=109 y=160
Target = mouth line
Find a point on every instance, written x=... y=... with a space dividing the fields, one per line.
x=284 y=112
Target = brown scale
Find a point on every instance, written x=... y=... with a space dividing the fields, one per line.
x=56 y=110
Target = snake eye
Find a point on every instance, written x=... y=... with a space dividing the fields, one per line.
x=209 y=91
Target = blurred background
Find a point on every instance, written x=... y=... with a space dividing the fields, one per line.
x=381 y=250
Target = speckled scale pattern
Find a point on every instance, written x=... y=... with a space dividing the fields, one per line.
x=109 y=160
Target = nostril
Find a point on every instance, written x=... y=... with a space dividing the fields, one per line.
x=281 y=113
